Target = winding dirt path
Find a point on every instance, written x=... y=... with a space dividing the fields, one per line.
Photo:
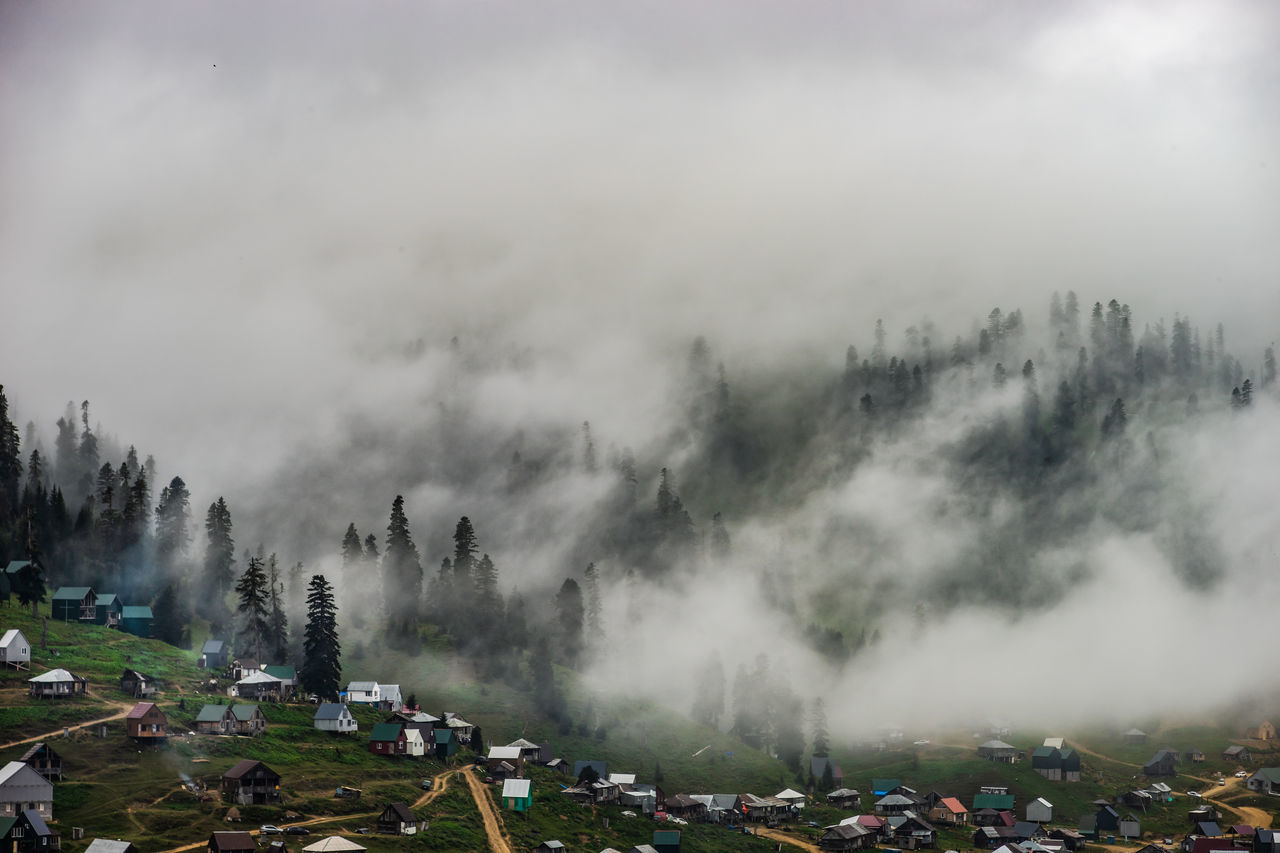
x=787 y=838
x=124 y=707
x=498 y=842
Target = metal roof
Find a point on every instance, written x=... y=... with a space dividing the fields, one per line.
x=518 y=788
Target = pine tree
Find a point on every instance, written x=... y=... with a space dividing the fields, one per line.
x=708 y=701
x=488 y=602
x=720 y=545
x=254 y=611
x=321 y=671
x=569 y=616
x=172 y=516
x=592 y=579
x=10 y=462
x=171 y=616
x=819 y=721
x=219 y=557
x=401 y=571
x=278 y=636
x=352 y=555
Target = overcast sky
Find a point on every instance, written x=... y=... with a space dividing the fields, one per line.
x=215 y=213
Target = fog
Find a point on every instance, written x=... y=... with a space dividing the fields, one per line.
x=312 y=256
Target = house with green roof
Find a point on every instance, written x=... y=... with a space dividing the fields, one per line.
x=396 y=739
x=999 y=802
x=136 y=620
x=109 y=609
x=444 y=743
x=1266 y=781
x=75 y=604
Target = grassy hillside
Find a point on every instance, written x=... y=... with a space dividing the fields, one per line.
x=114 y=788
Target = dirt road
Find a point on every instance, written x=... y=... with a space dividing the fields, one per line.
x=492 y=824
x=124 y=707
x=439 y=783
x=787 y=838
x=1250 y=814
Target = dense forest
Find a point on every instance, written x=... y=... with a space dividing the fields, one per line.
x=996 y=452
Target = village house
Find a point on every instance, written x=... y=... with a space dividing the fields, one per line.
x=844 y=798
x=998 y=750
x=286 y=675
x=910 y=832
x=42 y=759
x=1235 y=752
x=247 y=720
x=1265 y=781
x=251 y=783
x=1161 y=764
x=893 y=804
x=74 y=604
x=334 y=717
x=992 y=837
x=1134 y=737
x=686 y=807
x=108 y=610
x=508 y=755
x=949 y=811
x=136 y=620
x=111 y=845
x=1056 y=764
x=22 y=788
x=752 y=807
x=396 y=739
x=56 y=683
x=26 y=832
x=15 y=649
x=146 y=722
x=1264 y=731
x=847 y=836
x=1129 y=827
x=137 y=685
x=213 y=655
x=232 y=842
x=517 y=794
x=1040 y=810
x=443 y=744
x=259 y=686
x=396 y=819
x=214 y=720
x=996 y=802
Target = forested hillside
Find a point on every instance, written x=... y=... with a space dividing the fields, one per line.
x=918 y=474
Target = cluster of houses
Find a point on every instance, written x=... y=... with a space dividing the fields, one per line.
x=83 y=604
x=250 y=679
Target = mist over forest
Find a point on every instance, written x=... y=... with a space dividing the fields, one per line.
x=858 y=350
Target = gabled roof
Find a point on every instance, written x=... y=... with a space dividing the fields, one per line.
x=331 y=711
x=108 y=845
x=622 y=778
x=521 y=743
x=362 y=686
x=789 y=794
x=1042 y=801
x=11 y=635
x=258 y=677
x=244 y=713
x=213 y=647
x=1271 y=774
x=38 y=747
x=140 y=710
x=1054 y=742
x=997 y=744
x=71 y=593
x=109 y=598
x=895 y=800
x=22 y=776
x=402 y=812
x=136 y=611
x=54 y=676
x=518 y=788
x=385 y=731
x=244 y=766
x=237 y=840
x=883 y=786
x=504 y=753
x=211 y=713
x=953 y=805
x=281 y=672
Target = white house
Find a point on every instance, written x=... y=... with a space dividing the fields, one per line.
x=365 y=692
x=15 y=649
x=791 y=797
x=334 y=717
x=391 y=696
x=413 y=742
x=22 y=788
x=1040 y=810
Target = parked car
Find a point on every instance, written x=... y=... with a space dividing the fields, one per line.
x=270 y=829
x=1194 y=794
x=296 y=830
x=1240 y=774
x=922 y=742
